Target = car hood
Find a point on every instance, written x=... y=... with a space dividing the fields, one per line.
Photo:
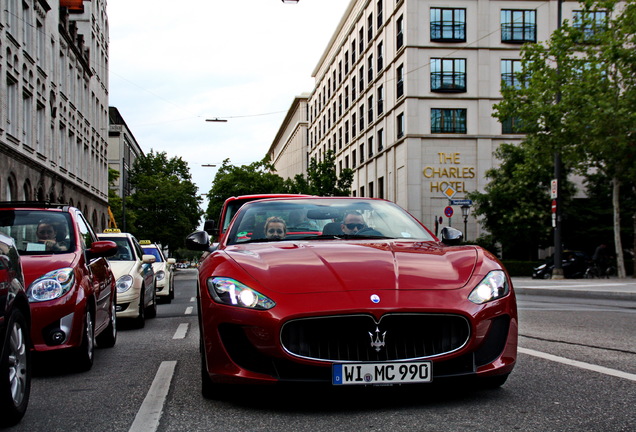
x=327 y=266
x=121 y=268
x=35 y=266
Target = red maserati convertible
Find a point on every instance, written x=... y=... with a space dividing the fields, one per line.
x=349 y=291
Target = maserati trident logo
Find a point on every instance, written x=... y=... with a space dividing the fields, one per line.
x=378 y=342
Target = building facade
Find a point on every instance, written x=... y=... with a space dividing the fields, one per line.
x=404 y=95
x=54 y=112
x=288 y=152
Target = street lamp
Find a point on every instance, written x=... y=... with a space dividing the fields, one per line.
x=465 y=212
x=290 y=1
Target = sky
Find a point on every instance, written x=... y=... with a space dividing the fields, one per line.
x=175 y=64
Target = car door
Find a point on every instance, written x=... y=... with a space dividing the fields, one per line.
x=99 y=274
x=148 y=274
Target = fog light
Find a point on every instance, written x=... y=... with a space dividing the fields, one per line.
x=57 y=337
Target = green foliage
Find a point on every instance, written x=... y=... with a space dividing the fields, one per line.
x=260 y=178
x=164 y=205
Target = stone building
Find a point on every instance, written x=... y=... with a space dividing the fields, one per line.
x=404 y=95
x=54 y=111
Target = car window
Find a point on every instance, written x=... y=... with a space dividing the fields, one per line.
x=310 y=219
x=153 y=251
x=86 y=232
x=38 y=232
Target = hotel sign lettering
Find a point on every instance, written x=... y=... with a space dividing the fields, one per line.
x=449 y=172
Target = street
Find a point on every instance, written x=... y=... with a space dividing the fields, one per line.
x=576 y=371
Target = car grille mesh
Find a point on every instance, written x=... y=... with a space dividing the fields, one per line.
x=360 y=338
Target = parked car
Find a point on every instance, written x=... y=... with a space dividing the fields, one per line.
x=573 y=263
x=163 y=267
x=15 y=339
x=71 y=288
x=372 y=297
x=136 y=296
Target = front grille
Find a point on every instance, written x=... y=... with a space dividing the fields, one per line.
x=358 y=338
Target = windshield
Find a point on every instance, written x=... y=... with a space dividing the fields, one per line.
x=154 y=252
x=124 y=248
x=323 y=218
x=38 y=232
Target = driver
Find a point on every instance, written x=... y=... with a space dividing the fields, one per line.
x=352 y=222
x=275 y=228
x=47 y=234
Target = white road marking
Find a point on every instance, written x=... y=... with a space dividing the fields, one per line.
x=579 y=364
x=149 y=414
x=193 y=299
x=181 y=332
x=189 y=310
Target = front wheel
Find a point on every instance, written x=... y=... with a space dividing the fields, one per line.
x=140 y=321
x=15 y=371
x=85 y=354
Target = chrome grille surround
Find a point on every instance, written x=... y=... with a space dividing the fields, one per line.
x=356 y=338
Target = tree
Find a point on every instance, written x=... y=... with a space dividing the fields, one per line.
x=322 y=178
x=578 y=98
x=164 y=203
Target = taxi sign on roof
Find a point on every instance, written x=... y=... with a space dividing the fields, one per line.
x=112 y=230
x=145 y=242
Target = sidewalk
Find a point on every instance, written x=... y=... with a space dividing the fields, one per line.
x=617 y=289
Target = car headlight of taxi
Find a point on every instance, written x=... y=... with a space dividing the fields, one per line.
x=231 y=292
x=124 y=283
x=52 y=285
x=492 y=287
x=160 y=275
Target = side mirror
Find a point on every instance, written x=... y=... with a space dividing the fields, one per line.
x=451 y=236
x=198 y=241
x=210 y=227
x=148 y=259
x=102 y=248
x=171 y=261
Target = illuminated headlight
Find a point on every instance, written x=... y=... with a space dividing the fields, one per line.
x=124 y=283
x=52 y=285
x=492 y=287
x=231 y=292
x=160 y=275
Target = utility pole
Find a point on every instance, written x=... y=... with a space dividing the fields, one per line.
x=557 y=272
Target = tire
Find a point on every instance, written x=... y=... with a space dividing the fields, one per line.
x=171 y=292
x=547 y=275
x=151 y=311
x=209 y=390
x=85 y=354
x=492 y=382
x=108 y=337
x=15 y=371
x=140 y=321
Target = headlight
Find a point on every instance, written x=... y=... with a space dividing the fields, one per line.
x=124 y=283
x=492 y=287
x=52 y=285
x=231 y=292
x=160 y=275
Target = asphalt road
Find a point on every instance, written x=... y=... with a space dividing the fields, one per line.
x=576 y=372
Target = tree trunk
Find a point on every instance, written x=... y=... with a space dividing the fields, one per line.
x=620 y=262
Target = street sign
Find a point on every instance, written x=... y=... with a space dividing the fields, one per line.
x=449 y=192
x=461 y=202
x=554 y=206
x=448 y=211
x=554 y=188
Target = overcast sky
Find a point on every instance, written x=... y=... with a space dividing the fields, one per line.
x=175 y=64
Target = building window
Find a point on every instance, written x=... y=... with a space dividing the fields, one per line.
x=361 y=117
x=510 y=73
x=346 y=132
x=380 y=56
x=370 y=189
x=346 y=162
x=380 y=12
x=380 y=140
x=448 y=120
x=511 y=125
x=400 y=81
x=362 y=153
x=353 y=89
x=340 y=138
x=448 y=24
x=590 y=23
x=370 y=28
x=362 y=191
x=361 y=78
x=370 y=69
x=399 y=32
x=400 y=125
x=353 y=52
x=381 y=187
x=354 y=160
x=518 y=26
x=346 y=67
x=370 y=105
x=340 y=105
x=448 y=75
x=380 y=100
x=370 y=145
x=353 y=125
x=12 y=106
x=346 y=97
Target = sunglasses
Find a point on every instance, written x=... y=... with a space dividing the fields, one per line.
x=354 y=225
x=275 y=231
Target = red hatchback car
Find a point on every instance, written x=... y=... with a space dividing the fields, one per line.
x=349 y=291
x=71 y=288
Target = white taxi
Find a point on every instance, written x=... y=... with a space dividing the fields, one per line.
x=164 y=276
x=136 y=298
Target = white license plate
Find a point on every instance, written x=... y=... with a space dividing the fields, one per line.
x=381 y=373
